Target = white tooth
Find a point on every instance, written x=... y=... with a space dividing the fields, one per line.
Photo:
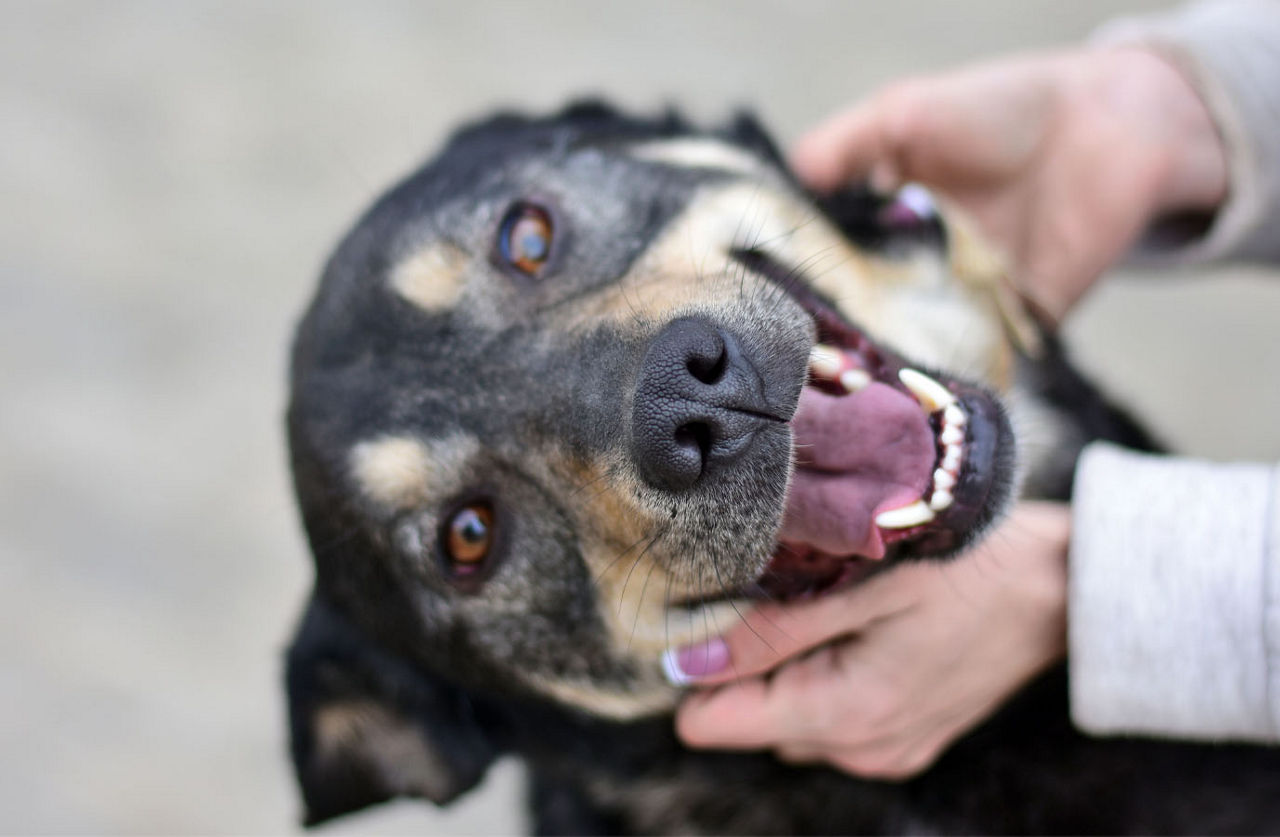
x=943 y=480
x=951 y=435
x=854 y=379
x=825 y=362
x=932 y=395
x=941 y=500
x=954 y=416
x=905 y=517
x=952 y=454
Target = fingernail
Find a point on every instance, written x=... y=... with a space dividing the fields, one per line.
x=691 y=663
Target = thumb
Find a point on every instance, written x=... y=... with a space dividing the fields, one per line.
x=773 y=633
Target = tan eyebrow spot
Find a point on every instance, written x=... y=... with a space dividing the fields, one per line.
x=403 y=471
x=432 y=278
x=393 y=471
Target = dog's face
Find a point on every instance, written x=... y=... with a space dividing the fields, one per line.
x=583 y=388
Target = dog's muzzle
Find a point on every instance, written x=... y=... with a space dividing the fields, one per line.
x=699 y=402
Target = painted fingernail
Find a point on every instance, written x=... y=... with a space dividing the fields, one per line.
x=691 y=663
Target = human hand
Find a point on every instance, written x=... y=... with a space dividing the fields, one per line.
x=879 y=679
x=1062 y=158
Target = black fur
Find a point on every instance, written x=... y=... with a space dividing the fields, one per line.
x=390 y=694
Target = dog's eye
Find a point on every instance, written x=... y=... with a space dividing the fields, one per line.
x=525 y=238
x=467 y=537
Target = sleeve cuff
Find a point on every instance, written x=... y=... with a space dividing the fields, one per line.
x=1174 y=608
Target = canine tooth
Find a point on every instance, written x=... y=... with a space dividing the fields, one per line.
x=825 y=362
x=954 y=416
x=854 y=379
x=951 y=435
x=951 y=457
x=906 y=516
x=932 y=395
x=943 y=480
x=941 y=500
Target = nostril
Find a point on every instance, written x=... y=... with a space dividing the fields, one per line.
x=709 y=370
x=695 y=436
x=697 y=404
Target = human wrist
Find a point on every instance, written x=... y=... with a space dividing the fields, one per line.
x=1048 y=525
x=1172 y=124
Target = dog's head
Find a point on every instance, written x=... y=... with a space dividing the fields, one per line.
x=583 y=387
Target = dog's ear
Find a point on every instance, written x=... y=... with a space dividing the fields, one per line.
x=745 y=130
x=366 y=727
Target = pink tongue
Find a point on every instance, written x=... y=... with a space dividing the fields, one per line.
x=856 y=455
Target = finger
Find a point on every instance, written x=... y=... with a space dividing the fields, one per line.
x=890 y=759
x=732 y=718
x=842 y=148
x=794 y=707
x=801 y=753
x=772 y=634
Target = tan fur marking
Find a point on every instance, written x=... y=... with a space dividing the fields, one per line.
x=639 y=700
x=634 y=587
x=431 y=278
x=337 y=725
x=977 y=262
x=386 y=742
x=913 y=305
x=402 y=471
x=695 y=152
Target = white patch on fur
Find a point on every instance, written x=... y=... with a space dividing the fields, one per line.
x=699 y=152
x=1039 y=432
x=431 y=278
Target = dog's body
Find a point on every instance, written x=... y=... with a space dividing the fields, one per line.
x=551 y=415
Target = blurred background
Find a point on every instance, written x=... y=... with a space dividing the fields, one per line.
x=172 y=176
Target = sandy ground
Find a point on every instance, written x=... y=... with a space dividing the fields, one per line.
x=172 y=175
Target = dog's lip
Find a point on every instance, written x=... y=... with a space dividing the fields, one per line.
x=799 y=567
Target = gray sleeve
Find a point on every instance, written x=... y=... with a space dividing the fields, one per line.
x=1174 y=601
x=1230 y=51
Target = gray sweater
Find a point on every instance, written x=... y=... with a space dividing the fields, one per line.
x=1175 y=563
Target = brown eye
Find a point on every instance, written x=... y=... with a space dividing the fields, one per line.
x=525 y=238
x=467 y=537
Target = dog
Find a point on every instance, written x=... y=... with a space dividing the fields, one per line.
x=586 y=385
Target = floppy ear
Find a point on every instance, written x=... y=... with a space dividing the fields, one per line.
x=365 y=726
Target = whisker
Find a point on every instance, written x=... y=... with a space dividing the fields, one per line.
x=653 y=565
x=715 y=566
x=622 y=596
x=599 y=578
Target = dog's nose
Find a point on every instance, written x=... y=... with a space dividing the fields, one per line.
x=699 y=401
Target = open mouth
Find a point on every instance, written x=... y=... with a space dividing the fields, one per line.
x=891 y=462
